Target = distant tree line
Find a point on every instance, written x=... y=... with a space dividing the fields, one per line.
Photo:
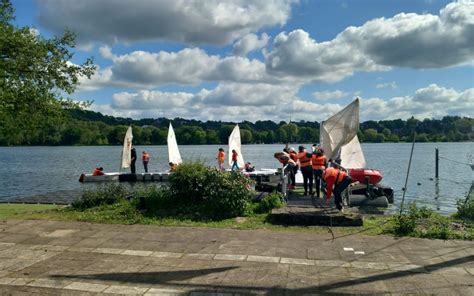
x=91 y=128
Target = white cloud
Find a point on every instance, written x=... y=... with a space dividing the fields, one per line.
x=392 y=85
x=250 y=42
x=405 y=40
x=432 y=101
x=191 y=21
x=190 y=66
x=327 y=95
x=237 y=102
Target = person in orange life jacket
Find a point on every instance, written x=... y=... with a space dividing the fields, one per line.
x=285 y=159
x=304 y=159
x=145 y=159
x=294 y=157
x=98 y=171
x=220 y=159
x=336 y=181
x=235 y=165
x=319 y=163
x=133 y=160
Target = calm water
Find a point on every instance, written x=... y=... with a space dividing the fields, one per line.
x=28 y=171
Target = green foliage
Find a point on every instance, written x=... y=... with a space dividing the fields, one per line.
x=424 y=222
x=153 y=199
x=105 y=195
x=33 y=73
x=465 y=208
x=273 y=200
x=215 y=193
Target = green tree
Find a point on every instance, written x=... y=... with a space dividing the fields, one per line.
x=34 y=71
x=370 y=135
x=246 y=136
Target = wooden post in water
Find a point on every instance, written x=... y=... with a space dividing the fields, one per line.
x=437 y=164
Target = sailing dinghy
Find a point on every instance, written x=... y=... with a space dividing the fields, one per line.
x=234 y=144
x=339 y=140
x=173 y=152
x=124 y=164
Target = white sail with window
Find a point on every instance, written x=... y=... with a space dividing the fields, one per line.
x=173 y=152
x=127 y=149
x=235 y=144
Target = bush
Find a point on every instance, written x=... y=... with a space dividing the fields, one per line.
x=105 y=195
x=269 y=202
x=216 y=194
x=465 y=208
x=153 y=198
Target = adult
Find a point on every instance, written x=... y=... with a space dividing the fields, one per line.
x=133 y=160
x=98 y=171
x=235 y=164
x=319 y=163
x=220 y=159
x=294 y=157
x=337 y=180
x=173 y=167
x=285 y=159
x=304 y=159
x=145 y=159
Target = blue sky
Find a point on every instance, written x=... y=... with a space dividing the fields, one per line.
x=268 y=59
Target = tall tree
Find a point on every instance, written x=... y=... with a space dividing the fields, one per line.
x=34 y=74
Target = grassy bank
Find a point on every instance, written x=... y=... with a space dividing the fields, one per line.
x=23 y=211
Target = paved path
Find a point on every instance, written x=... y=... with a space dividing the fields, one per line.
x=74 y=258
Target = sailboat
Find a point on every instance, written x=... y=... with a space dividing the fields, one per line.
x=338 y=136
x=173 y=152
x=235 y=144
x=339 y=140
x=124 y=164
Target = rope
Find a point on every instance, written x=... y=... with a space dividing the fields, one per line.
x=408 y=173
x=455 y=161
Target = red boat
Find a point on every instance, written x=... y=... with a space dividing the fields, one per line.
x=361 y=175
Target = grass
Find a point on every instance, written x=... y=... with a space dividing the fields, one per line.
x=13 y=211
x=125 y=213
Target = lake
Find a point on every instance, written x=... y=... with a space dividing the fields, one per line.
x=31 y=171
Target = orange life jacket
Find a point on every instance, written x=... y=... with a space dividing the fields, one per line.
x=146 y=156
x=304 y=159
x=97 y=172
x=221 y=156
x=336 y=174
x=294 y=156
x=318 y=162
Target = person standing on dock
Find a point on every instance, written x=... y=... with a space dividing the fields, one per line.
x=145 y=159
x=285 y=159
x=133 y=160
x=319 y=163
x=304 y=159
x=235 y=164
x=220 y=159
x=337 y=181
x=294 y=157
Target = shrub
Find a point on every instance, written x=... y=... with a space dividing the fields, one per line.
x=153 y=198
x=105 y=195
x=269 y=202
x=216 y=194
x=465 y=208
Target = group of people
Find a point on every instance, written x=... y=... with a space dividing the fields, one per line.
x=248 y=167
x=314 y=166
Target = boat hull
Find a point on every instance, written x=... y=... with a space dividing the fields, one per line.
x=361 y=175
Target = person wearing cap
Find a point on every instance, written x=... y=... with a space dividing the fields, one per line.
x=220 y=159
x=319 y=163
x=304 y=158
x=337 y=180
x=145 y=160
x=98 y=171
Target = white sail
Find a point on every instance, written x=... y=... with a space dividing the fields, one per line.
x=173 y=152
x=352 y=156
x=339 y=130
x=127 y=149
x=234 y=144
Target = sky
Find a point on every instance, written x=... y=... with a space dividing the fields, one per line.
x=267 y=59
